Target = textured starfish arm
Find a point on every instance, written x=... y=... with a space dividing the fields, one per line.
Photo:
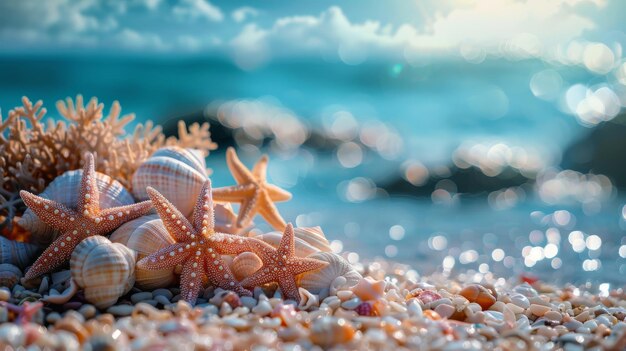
x=287 y=246
x=260 y=168
x=54 y=214
x=247 y=210
x=89 y=196
x=191 y=280
x=306 y=265
x=220 y=275
x=277 y=194
x=239 y=171
x=259 y=278
x=228 y=244
x=167 y=257
x=174 y=221
x=116 y=216
x=234 y=193
x=203 y=216
x=289 y=288
x=272 y=216
x=261 y=249
x=55 y=255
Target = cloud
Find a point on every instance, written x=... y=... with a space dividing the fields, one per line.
x=134 y=40
x=506 y=27
x=241 y=14
x=194 y=9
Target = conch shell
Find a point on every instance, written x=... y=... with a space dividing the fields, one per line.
x=316 y=281
x=177 y=173
x=245 y=264
x=146 y=235
x=64 y=189
x=17 y=253
x=308 y=240
x=104 y=270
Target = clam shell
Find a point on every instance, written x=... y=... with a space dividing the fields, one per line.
x=64 y=189
x=176 y=173
x=146 y=235
x=245 y=264
x=104 y=270
x=9 y=275
x=17 y=253
x=307 y=240
x=316 y=281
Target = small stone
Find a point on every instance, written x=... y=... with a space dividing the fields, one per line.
x=162 y=292
x=248 y=301
x=162 y=299
x=5 y=294
x=351 y=304
x=591 y=324
x=150 y=302
x=88 y=311
x=479 y=294
x=445 y=310
x=263 y=308
x=519 y=300
x=120 y=310
x=140 y=296
x=573 y=325
x=53 y=317
x=330 y=331
x=553 y=316
x=538 y=310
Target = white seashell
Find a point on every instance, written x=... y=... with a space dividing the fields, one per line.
x=226 y=219
x=245 y=264
x=307 y=240
x=17 y=253
x=177 y=173
x=104 y=270
x=146 y=235
x=64 y=189
x=307 y=300
x=9 y=275
x=316 y=281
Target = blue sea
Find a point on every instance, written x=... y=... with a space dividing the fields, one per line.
x=433 y=108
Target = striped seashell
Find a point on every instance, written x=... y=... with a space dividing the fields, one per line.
x=64 y=189
x=17 y=253
x=9 y=275
x=226 y=219
x=177 y=173
x=146 y=235
x=316 y=281
x=308 y=240
x=245 y=264
x=104 y=270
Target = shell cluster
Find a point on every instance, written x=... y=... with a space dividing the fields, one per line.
x=106 y=269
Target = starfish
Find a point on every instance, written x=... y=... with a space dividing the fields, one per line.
x=75 y=224
x=198 y=248
x=281 y=265
x=253 y=192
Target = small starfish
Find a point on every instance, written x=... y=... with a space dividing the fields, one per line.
x=86 y=220
x=198 y=247
x=253 y=192
x=281 y=265
x=25 y=312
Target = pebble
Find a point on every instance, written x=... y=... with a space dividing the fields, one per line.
x=519 y=300
x=5 y=294
x=263 y=308
x=248 y=301
x=140 y=296
x=572 y=325
x=515 y=308
x=553 y=316
x=120 y=310
x=583 y=316
x=351 y=304
x=162 y=299
x=479 y=294
x=88 y=311
x=591 y=325
x=162 y=292
x=445 y=310
x=538 y=310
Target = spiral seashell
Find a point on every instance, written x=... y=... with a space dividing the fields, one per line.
x=64 y=189
x=307 y=240
x=17 y=253
x=146 y=235
x=177 y=173
x=245 y=264
x=316 y=281
x=9 y=275
x=104 y=270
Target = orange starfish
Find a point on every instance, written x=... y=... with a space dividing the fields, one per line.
x=253 y=192
x=281 y=265
x=198 y=247
x=85 y=220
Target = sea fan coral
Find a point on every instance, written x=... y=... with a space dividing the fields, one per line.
x=32 y=153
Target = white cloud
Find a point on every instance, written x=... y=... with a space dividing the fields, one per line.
x=194 y=9
x=134 y=40
x=506 y=27
x=241 y=14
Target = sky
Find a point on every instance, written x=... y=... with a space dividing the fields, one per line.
x=253 y=33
